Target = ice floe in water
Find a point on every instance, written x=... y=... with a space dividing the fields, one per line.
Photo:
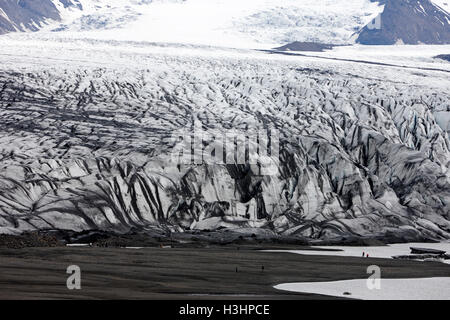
x=390 y=289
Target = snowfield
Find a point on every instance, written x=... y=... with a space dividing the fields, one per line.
x=422 y=56
x=250 y=24
x=244 y=24
x=444 y=4
x=87 y=136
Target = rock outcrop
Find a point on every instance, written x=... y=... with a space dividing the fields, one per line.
x=26 y=15
x=408 y=22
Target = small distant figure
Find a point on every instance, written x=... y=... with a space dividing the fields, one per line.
x=364 y=254
x=236 y=269
x=262 y=268
x=367 y=256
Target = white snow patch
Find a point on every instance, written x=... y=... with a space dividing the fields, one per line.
x=234 y=23
x=374 y=252
x=444 y=4
x=391 y=289
x=78 y=245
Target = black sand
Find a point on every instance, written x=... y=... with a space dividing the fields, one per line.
x=182 y=273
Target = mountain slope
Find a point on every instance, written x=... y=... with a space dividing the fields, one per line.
x=26 y=15
x=33 y=15
x=409 y=22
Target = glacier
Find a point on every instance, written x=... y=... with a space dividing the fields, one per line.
x=244 y=24
x=87 y=126
x=258 y=24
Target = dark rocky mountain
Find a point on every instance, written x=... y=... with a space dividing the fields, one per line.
x=305 y=46
x=410 y=22
x=29 y=15
x=443 y=57
x=25 y=15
